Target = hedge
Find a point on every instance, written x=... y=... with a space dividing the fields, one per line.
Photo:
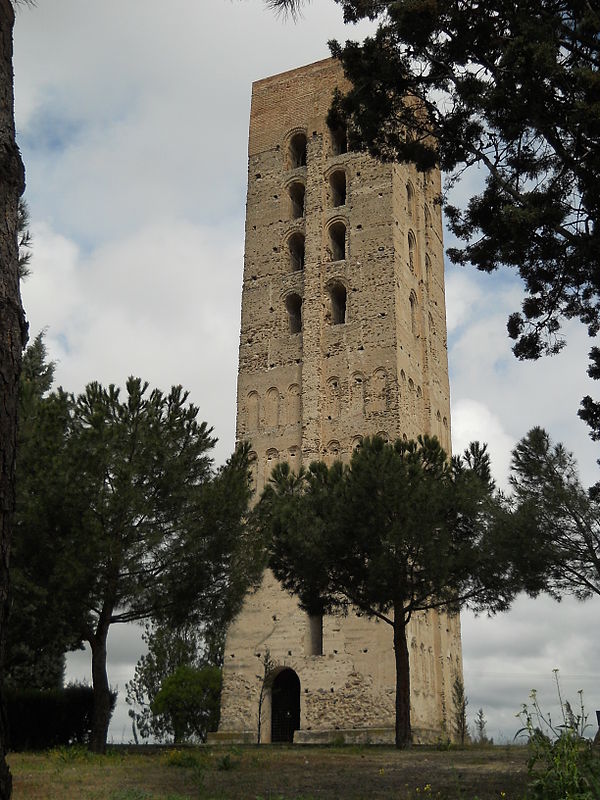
x=38 y=719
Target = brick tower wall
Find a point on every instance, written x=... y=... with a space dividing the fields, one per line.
x=379 y=368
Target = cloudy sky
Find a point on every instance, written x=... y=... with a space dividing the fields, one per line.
x=133 y=118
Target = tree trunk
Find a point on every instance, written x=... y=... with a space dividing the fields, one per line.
x=101 y=717
x=403 y=732
x=13 y=334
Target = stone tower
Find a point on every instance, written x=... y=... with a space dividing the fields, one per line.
x=343 y=334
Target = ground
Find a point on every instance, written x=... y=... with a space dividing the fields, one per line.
x=272 y=773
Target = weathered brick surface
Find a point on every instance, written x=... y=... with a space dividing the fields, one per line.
x=314 y=393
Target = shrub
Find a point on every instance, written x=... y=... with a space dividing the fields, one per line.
x=562 y=764
x=188 y=702
x=39 y=720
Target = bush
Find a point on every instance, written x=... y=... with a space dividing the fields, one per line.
x=562 y=764
x=188 y=702
x=38 y=720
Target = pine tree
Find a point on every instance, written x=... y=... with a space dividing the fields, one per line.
x=397 y=531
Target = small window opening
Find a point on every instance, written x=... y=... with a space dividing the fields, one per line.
x=296 y=250
x=337 y=293
x=412 y=245
x=410 y=199
x=413 y=314
x=297 y=191
x=293 y=304
x=298 y=150
x=337 y=240
x=315 y=633
x=339 y=140
x=337 y=182
x=427 y=216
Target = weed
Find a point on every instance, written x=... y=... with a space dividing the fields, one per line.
x=68 y=754
x=562 y=763
x=182 y=758
x=226 y=763
x=443 y=743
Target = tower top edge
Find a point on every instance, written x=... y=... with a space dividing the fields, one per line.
x=314 y=66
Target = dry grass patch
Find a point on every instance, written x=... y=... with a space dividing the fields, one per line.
x=272 y=773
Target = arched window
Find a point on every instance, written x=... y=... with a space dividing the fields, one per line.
x=296 y=192
x=412 y=251
x=337 y=295
x=332 y=452
x=357 y=393
x=427 y=215
x=297 y=151
x=379 y=390
x=253 y=406
x=296 y=251
x=293 y=305
x=427 y=270
x=294 y=458
x=253 y=463
x=413 y=314
x=337 y=185
x=294 y=404
x=339 y=140
x=410 y=199
x=272 y=402
x=337 y=241
x=271 y=461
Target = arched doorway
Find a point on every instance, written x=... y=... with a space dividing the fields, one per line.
x=285 y=706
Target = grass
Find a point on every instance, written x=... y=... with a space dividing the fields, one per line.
x=272 y=773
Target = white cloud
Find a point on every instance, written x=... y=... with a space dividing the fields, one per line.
x=473 y=421
x=162 y=303
x=463 y=296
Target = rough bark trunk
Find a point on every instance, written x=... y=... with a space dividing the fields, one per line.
x=101 y=718
x=403 y=732
x=13 y=335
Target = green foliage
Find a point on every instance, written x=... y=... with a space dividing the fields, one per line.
x=24 y=239
x=38 y=720
x=480 y=725
x=556 y=523
x=226 y=763
x=400 y=524
x=562 y=763
x=459 y=710
x=188 y=759
x=269 y=665
x=399 y=530
x=133 y=520
x=168 y=648
x=41 y=622
x=188 y=702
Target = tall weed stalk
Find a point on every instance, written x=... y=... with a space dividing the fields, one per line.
x=562 y=763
